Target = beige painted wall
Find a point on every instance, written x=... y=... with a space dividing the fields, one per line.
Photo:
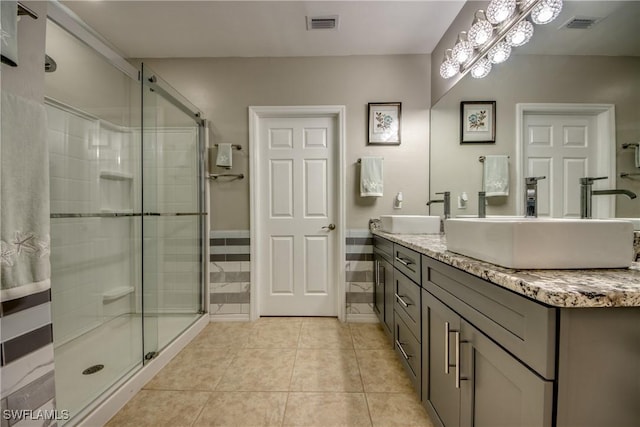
x=531 y=79
x=224 y=88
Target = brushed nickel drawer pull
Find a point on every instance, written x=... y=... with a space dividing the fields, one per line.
x=399 y=344
x=401 y=301
x=404 y=261
x=446 y=347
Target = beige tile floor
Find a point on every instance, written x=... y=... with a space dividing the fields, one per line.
x=280 y=372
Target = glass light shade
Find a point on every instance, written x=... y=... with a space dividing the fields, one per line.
x=481 y=69
x=480 y=32
x=499 y=11
x=546 y=11
x=449 y=69
x=462 y=51
x=499 y=53
x=520 y=34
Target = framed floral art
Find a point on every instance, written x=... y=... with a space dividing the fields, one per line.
x=385 y=122
x=477 y=122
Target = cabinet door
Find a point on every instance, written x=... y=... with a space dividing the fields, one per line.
x=389 y=294
x=378 y=281
x=442 y=396
x=497 y=389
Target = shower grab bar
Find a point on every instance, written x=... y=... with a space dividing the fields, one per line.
x=123 y=214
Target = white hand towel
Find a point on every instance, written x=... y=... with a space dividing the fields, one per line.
x=371 y=177
x=225 y=156
x=637 y=155
x=24 y=199
x=496 y=175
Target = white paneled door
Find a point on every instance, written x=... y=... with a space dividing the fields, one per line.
x=298 y=216
x=562 y=147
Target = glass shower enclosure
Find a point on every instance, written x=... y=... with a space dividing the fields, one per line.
x=127 y=219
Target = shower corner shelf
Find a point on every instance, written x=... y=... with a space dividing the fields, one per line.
x=116 y=293
x=115 y=175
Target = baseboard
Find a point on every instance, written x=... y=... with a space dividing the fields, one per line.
x=121 y=394
x=229 y=317
x=362 y=318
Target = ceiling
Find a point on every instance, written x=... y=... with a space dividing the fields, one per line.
x=180 y=29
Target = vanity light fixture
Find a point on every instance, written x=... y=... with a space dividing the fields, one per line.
x=481 y=30
x=481 y=69
x=449 y=67
x=520 y=34
x=546 y=11
x=505 y=24
x=499 y=11
x=499 y=53
x=463 y=50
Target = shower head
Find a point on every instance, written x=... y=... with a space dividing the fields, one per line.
x=49 y=64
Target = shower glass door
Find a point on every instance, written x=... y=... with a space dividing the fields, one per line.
x=172 y=220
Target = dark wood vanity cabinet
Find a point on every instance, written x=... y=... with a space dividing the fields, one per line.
x=482 y=355
x=468 y=380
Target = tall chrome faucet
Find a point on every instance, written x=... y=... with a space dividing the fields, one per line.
x=447 y=203
x=587 y=192
x=531 y=196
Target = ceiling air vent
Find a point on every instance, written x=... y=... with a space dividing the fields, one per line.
x=322 y=22
x=580 y=23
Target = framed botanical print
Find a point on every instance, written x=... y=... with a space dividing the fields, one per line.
x=385 y=122
x=477 y=122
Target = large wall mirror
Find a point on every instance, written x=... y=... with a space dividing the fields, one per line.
x=566 y=104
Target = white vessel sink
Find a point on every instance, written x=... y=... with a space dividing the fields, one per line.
x=543 y=243
x=634 y=221
x=410 y=224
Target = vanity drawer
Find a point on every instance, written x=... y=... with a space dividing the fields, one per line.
x=383 y=246
x=407 y=261
x=409 y=351
x=525 y=328
x=407 y=302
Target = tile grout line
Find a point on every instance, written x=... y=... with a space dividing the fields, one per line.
x=202 y=409
x=364 y=391
x=295 y=359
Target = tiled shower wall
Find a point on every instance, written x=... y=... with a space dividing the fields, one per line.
x=230 y=273
x=90 y=257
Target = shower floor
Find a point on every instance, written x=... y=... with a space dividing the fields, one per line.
x=117 y=345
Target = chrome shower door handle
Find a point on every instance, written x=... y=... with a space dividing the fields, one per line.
x=329 y=227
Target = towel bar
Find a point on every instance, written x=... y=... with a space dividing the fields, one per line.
x=481 y=159
x=236 y=146
x=631 y=144
x=224 y=175
x=627 y=174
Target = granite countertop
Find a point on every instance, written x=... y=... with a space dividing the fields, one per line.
x=558 y=288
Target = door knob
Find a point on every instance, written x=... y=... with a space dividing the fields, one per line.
x=329 y=227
